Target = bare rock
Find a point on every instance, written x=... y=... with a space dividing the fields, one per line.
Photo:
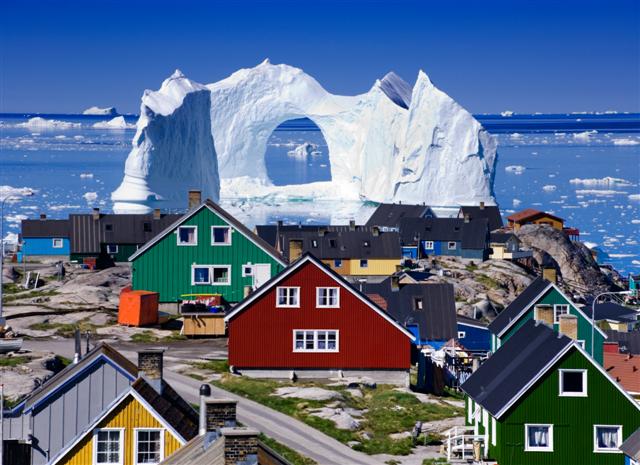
x=307 y=393
x=343 y=418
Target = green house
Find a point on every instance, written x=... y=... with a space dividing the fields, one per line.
x=634 y=285
x=206 y=251
x=543 y=300
x=542 y=399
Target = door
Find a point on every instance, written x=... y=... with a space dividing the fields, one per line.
x=261 y=274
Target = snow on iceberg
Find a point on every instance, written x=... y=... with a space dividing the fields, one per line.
x=41 y=123
x=388 y=144
x=116 y=123
x=108 y=111
x=584 y=136
x=606 y=181
x=304 y=150
x=626 y=141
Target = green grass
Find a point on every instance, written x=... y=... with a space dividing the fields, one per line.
x=64 y=361
x=389 y=411
x=11 y=288
x=65 y=329
x=487 y=281
x=439 y=460
x=29 y=295
x=144 y=336
x=13 y=361
x=286 y=453
x=217 y=366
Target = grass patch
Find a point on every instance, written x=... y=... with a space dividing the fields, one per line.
x=217 y=366
x=64 y=361
x=196 y=376
x=471 y=267
x=28 y=295
x=13 y=361
x=487 y=281
x=11 y=288
x=439 y=460
x=175 y=336
x=286 y=453
x=66 y=330
x=144 y=336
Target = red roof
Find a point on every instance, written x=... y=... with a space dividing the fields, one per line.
x=529 y=214
x=378 y=300
x=625 y=369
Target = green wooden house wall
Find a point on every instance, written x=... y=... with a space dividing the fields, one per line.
x=553 y=297
x=165 y=267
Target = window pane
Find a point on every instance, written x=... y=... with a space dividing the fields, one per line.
x=332 y=338
x=572 y=381
x=607 y=437
x=220 y=275
x=221 y=235
x=538 y=436
x=293 y=296
x=201 y=275
x=309 y=340
x=322 y=340
x=299 y=340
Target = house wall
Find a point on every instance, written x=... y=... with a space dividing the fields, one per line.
x=129 y=415
x=376 y=267
x=477 y=254
x=262 y=335
x=573 y=419
x=441 y=248
x=542 y=220
x=166 y=267
x=124 y=251
x=498 y=252
x=44 y=246
x=610 y=325
x=475 y=338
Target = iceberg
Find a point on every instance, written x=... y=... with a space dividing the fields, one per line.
x=41 y=123
x=116 y=123
x=393 y=143
x=108 y=111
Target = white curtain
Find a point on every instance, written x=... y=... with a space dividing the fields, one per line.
x=540 y=436
x=607 y=438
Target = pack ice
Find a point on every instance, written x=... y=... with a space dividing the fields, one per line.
x=392 y=143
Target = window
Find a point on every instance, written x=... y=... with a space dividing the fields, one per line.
x=200 y=275
x=327 y=297
x=247 y=270
x=462 y=334
x=146 y=226
x=149 y=446
x=559 y=310
x=366 y=244
x=323 y=340
x=337 y=263
x=332 y=243
x=57 y=243
x=364 y=263
x=580 y=342
x=108 y=227
x=428 y=245
x=107 y=447
x=220 y=235
x=112 y=249
x=188 y=235
x=288 y=297
x=417 y=303
x=573 y=383
x=607 y=438
x=538 y=438
x=216 y=275
x=221 y=275
x=314 y=244
x=451 y=246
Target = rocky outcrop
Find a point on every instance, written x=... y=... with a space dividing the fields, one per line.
x=572 y=260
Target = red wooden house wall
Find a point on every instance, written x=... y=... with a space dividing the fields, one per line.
x=261 y=335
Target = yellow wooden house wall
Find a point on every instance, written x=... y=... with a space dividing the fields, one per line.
x=130 y=414
x=377 y=267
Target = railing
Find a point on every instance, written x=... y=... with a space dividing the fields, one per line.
x=460 y=442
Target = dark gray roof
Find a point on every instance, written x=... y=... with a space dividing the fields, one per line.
x=506 y=316
x=44 y=228
x=631 y=447
x=437 y=319
x=490 y=212
x=470 y=321
x=88 y=233
x=268 y=233
x=615 y=312
x=390 y=214
x=501 y=237
x=473 y=234
x=629 y=342
x=506 y=373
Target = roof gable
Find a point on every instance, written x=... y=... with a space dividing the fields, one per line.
x=308 y=258
x=490 y=212
x=531 y=214
x=390 y=214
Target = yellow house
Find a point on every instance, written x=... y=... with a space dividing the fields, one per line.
x=532 y=216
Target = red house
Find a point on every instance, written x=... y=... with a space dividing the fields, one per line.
x=308 y=320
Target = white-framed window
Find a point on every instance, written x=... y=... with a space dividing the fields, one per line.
x=581 y=342
x=451 y=245
x=573 y=383
x=315 y=340
x=220 y=235
x=327 y=297
x=417 y=303
x=216 y=275
x=149 y=446
x=428 y=245
x=337 y=263
x=57 y=243
x=108 y=446
x=288 y=296
x=247 y=270
x=364 y=263
x=112 y=249
x=559 y=309
x=462 y=334
x=607 y=438
x=187 y=235
x=538 y=438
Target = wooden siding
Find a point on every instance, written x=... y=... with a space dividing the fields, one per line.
x=261 y=336
x=573 y=419
x=166 y=267
x=377 y=267
x=128 y=415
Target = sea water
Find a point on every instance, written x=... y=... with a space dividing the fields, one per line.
x=554 y=163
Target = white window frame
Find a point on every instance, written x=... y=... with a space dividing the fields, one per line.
x=606 y=451
x=428 y=245
x=94 y=455
x=585 y=378
x=135 y=445
x=193 y=280
x=455 y=245
x=462 y=334
x=58 y=240
x=529 y=448
x=581 y=342
x=336 y=305
x=295 y=305
x=213 y=243
x=244 y=268
x=556 y=319
x=187 y=244
x=111 y=252
x=315 y=341
x=365 y=261
x=211 y=281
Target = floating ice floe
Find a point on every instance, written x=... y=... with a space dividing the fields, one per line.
x=15 y=219
x=64 y=207
x=90 y=196
x=116 y=123
x=626 y=141
x=516 y=202
x=41 y=123
x=100 y=111
x=634 y=197
x=86 y=175
x=606 y=181
x=506 y=113
x=6 y=191
x=584 y=136
x=304 y=150
x=515 y=169
x=549 y=188
x=599 y=192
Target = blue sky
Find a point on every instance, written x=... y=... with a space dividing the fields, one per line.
x=527 y=56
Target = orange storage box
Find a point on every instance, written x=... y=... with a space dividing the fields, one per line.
x=138 y=308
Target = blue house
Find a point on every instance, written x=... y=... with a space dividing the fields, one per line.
x=43 y=237
x=634 y=285
x=473 y=335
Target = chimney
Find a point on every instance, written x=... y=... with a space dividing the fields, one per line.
x=352 y=225
x=611 y=348
x=150 y=367
x=543 y=313
x=205 y=392
x=467 y=218
x=78 y=346
x=395 y=283
x=375 y=231
x=481 y=205
x=569 y=326
x=95 y=214
x=43 y=216
x=195 y=198
x=240 y=445
x=322 y=232
x=156 y=214
x=217 y=413
x=550 y=274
